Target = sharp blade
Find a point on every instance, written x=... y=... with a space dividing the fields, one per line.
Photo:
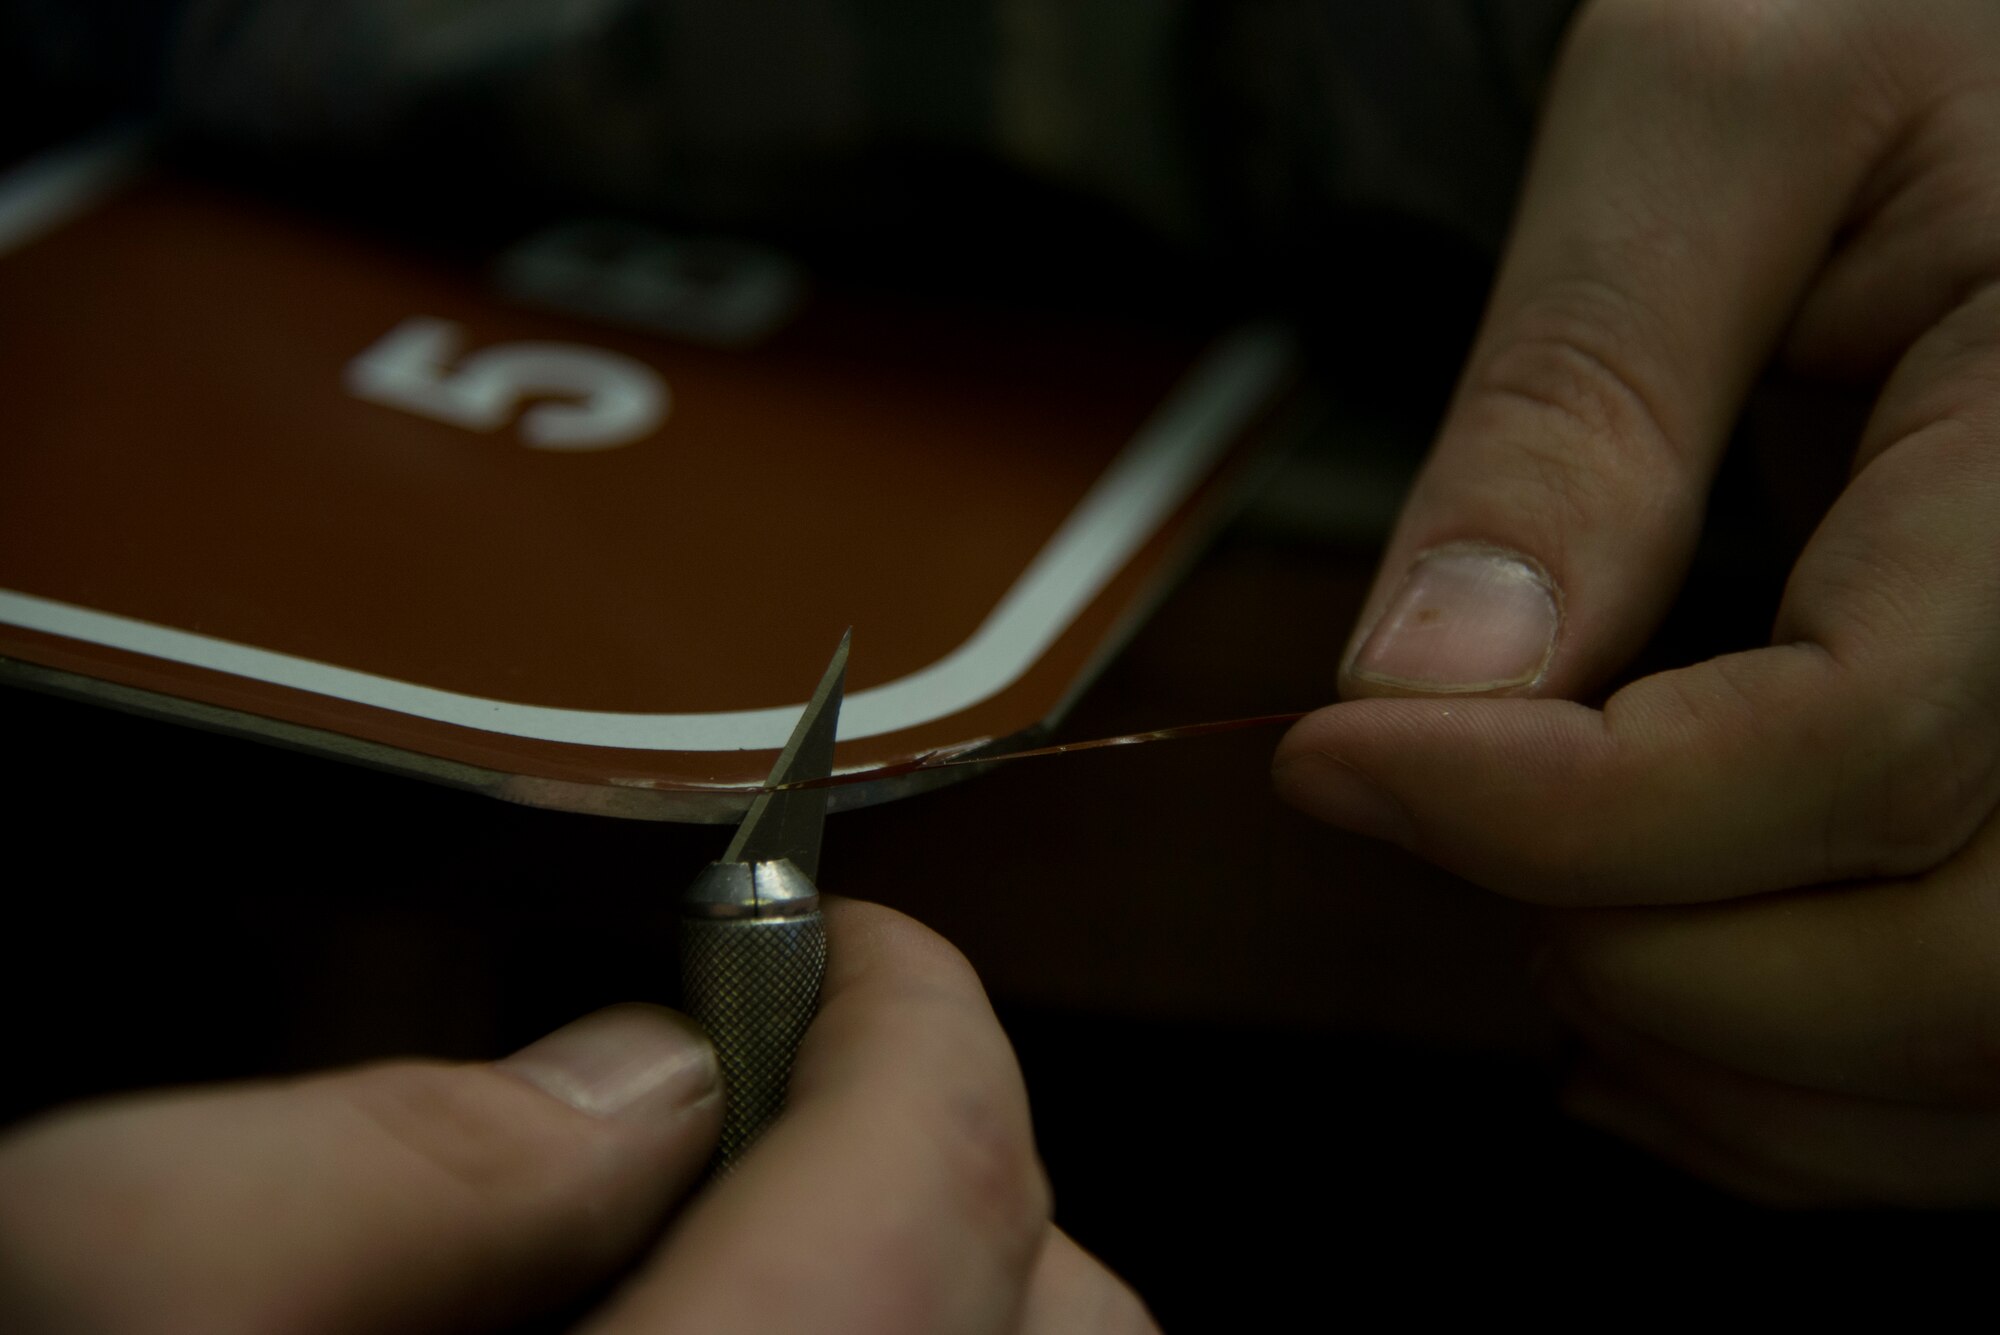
x=787 y=824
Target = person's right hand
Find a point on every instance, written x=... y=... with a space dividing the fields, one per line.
x=900 y=1191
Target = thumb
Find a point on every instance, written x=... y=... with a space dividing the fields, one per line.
x=405 y=1196
x=1674 y=211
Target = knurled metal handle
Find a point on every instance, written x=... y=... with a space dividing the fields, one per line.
x=753 y=984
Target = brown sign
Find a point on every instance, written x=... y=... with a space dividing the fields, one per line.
x=273 y=476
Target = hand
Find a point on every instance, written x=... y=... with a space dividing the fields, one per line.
x=899 y=1192
x=1777 y=873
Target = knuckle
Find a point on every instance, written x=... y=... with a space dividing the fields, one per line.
x=1557 y=491
x=1580 y=348
x=1573 y=398
x=990 y=1169
x=1803 y=76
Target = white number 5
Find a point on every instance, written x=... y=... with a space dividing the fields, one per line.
x=605 y=399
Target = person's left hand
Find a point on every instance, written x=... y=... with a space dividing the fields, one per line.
x=899 y=1192
x=1776 y=874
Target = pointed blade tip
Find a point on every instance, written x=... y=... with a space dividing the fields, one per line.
x=785 y=822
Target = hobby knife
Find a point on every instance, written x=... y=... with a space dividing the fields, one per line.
x=753 y=946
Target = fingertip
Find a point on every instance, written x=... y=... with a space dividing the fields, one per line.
x=872 y=941
x=1518 y=795
x=899 y=1191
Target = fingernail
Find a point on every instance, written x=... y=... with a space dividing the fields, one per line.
x=1468 y=617
x=629 y=1061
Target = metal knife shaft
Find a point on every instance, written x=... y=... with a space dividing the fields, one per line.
x=750 y=976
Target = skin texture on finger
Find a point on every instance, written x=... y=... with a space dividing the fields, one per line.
x=1864 y=743
x=900 y=1192
x=1071 y=1293
x=1556 y=803
x=1695 y=162
x=1778 y=1143
x=1925 y=228
x=412 y=1196
x=1880 y=990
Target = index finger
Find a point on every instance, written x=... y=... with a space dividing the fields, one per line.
x=1864 y=743
x=899 y=1192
